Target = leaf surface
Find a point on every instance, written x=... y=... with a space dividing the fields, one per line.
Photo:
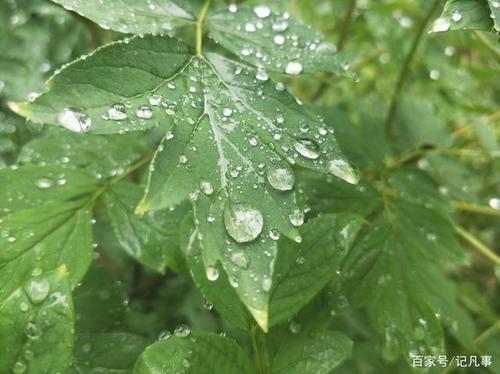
x=36 y=325
x=465 y=15
x=200 y=352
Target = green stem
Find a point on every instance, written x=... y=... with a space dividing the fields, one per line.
x=346 y=25
x=478 y=246
x=406 y=68
x=469 y=207
x=256 y=350
x=199 y=27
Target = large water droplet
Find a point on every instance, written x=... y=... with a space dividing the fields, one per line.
x=144 y=112
x=243 y=222
x=182 y=331
x=212 y=273
x=307 y=148
x=38 y=290
x=441 y=24
x=239 y=258
x=207 y=188
x=343 y=170
x=294 y=68
x=74 y=120
x=297 y=218
x=282 y=179
x=117 y=112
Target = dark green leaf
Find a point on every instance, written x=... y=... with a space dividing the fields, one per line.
x=199 y=352
x=36 y=325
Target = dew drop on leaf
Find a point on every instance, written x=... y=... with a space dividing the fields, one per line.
x=207 y=188
x=212 y=273
x=294 y=327
x=182 y=331
x=441 y=24
x=38 y=290
x=117 y=112
x=243 y=222
x=343 y=170
x=239 y=258
x=44 y=183
x=294 y=68
x=144 y=112
x=281 y=179
x=74 y=120
x=297 y=218
x=262 y=11
x=307 y=148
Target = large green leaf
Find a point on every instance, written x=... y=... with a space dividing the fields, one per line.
x=495 y=13
x=231 y=138
x=40 y=239
x=302 y=270
x=151 y=239
x=273 y=41
x=465 y=15
x=36 y=325
x=133 y=16
x=200 y=352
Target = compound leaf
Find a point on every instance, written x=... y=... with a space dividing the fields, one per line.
x=201 y=352
x=36 y=325
x=466 y=15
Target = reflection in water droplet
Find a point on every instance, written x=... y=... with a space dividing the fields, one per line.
x=182 y=331
x=281 y=179
x=74 y=120
x=294 y=68
x=212 y=273
x=117 y=112
x=243 y=222
x=38 y=290
x=343 y=170
x=307 y=148
x=262 y=11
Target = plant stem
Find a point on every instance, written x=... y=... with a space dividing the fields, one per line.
x=403 y=75
x=256 y=350
x=346 y=25
x=478 y=246
x=199 y=27
x=468 y=207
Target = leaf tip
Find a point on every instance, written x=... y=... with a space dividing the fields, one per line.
x=261 y=317
x=18 y=108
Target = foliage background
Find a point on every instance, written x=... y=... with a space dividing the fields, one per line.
x=427 y=193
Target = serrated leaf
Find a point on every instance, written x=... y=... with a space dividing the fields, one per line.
x=495 y=13
x=106 y=353
x=40 y=239
x=151 y=239
x=200 y=353
x=36 y=325
x=274 y=41
x=464 y=15
x=302 y=270
x=133 y=17
x=229 y=132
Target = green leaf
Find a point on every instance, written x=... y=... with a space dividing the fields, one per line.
x=106 y=353
x=274 y=41
x=99 y=302
x=199 y=353
x=234 y=146
x=465 y=15
x=40 y=239
x=495 y=13
x=133 y=17
x=219 y=291
x=38 y=185
x=151 y=239
x=302 y=270
x=36 y=325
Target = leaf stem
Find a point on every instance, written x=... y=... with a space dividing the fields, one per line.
x=199 y=27
x=256 y=350
x=478 y=246
x=403 y=75
x=489 y=45
x=346 y=25
x=469 y=207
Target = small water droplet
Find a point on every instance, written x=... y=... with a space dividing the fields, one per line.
x=144 y=112
x=274 y=234
x=212 y=273
x=279 y=39
x=262 y=11
x=164 y=335
x=295 y=327
x=456 y=16
x=182 y=331
x=441 y=24
x=38 y=290
x=294 y=68
x=266 y=284
x=44 y=183
x=207 y=188
x=343 y=170
x=117 y=112
x=297 y=218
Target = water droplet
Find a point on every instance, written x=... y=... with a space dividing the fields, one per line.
x=182 y=331
x=185 y=362
x=280 y=26
x=295 y=327
x=267 y=284
x=274 y=234
x=297 y=218
x=155 y=100
x=23 y=307
x=307 y=148
x=164 y=335
x=207 y=188
x=281 y=179
x=262 y=11
x=32 y=331
x=301 y=260
x=144 y=112
x=441 y=24
x=294 y=68
x=44 y=183
x=19 y=367
x=494 y=203
x=262 y=75
x=117 y=112
x=212 y=273
x=239 y=258
x=279 y=39
x=86 y=348
x=250 y=27
x=456 y=16
x=74 y=120
x=343 y=170
x=210 y=218
x=38 y=290
x=434 y=74
x=243 y=222
x=233 y=8
x=227 y=112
